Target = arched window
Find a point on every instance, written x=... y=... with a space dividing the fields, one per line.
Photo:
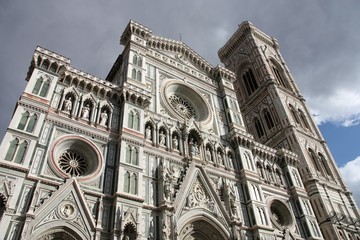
x=130 y=183
x=259 y=129
x=44 y=89
x=134 y=156
x=27 y=122
x=41 y=88
x=268 y=119
x=325 y=164
x=134 y=120
x=137 y=60
x=31 y=123
x=12 y=149
x=127 y=182
x=133 y=184
x=314 y=159
x=133 y=73
x=294 y=114
x=279 y=77
x=249 y=81
x=53 y=67
x=138 y=75
x=23 y=121
x=45 y=64
x=128 y=154
x=21 y=152
x=303 y=119
x=37 y=86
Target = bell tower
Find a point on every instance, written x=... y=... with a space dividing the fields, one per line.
x=275 y=113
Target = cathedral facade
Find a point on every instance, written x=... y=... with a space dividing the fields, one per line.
x=170 y=147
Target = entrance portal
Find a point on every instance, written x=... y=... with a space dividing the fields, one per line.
x=201 y=230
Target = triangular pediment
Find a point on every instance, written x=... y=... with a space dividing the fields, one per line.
x=198 y=195
x=66 y=207
x=179 y=53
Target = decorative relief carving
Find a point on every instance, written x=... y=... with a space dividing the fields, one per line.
x=198 y=197
x=67 y=210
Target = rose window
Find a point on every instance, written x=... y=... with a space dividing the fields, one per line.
x=280 y=214
x=72 y=163
x=183 y=107
x=186 y=102
x=76 y=156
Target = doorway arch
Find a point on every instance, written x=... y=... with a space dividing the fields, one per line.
x=200 y=225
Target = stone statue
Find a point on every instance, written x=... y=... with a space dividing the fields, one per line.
x=196 y=149
x=175 y=142
x=208 y=155
x=162 y=138
x=148 y=133
x=220 y=157
x=85 y=111
x=68 y=104
x=103 y=118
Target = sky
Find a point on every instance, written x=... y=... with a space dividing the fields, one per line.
x=319 y=41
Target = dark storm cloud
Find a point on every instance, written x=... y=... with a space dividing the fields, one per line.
x=317 y=38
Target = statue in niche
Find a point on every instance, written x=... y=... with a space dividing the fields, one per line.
x=162 y=138
x=220 y=157
x=85 y=112
x=103 y=118
x=175 y=142
x=208 y=155
x=148 y=133
x=194 y=149
x=230 y=160
x=68 y=104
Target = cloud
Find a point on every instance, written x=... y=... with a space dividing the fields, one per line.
x=342 y=107
x=350 y=172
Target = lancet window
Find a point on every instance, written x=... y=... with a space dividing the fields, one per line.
x=16 y=150
x=27 y=122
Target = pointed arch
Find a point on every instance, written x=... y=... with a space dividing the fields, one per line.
x=127 y=182
x=45 y=89
x=259 y=128
x=268 y=119
x=21 y=152
x=314 y=159
x=38 y=85
x=294 y=114
x=12 y=149
x=23 y=121
x=31 y=124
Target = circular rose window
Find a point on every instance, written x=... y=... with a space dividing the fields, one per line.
x=75 y=156
x=184 y=102
x=280 y=215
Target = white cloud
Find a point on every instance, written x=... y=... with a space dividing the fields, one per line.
x=350 y=172
x=341 y=108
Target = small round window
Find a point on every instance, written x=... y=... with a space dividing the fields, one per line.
x=75 y=156
x=280 y=215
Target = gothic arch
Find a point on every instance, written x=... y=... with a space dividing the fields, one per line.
x=53 y=231
x=200 y=225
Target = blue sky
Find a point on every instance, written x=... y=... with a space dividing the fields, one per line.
x=319 y=41
x=343 y=141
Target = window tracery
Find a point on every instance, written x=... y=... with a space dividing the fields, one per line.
x=183 y=107
x=73 y=163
